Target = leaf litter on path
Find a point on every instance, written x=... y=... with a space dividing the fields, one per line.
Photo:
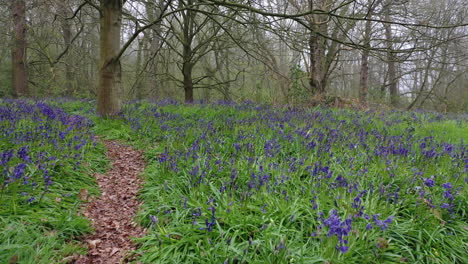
x=112 y=213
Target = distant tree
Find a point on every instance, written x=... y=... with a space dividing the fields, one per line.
x=188 y=39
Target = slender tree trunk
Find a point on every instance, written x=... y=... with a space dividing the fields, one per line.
x=364 y=74
x=188 y=81
x=441 y=74
x=109 y=90
x=424 y=82
x=67 y=38
x=391 y=60
x=19 y=55
x=153 y=12
x=225 y=78
x=187 y=52
x=139 y=76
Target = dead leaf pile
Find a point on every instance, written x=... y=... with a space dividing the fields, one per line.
x=112 y=213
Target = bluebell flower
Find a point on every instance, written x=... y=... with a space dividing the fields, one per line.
x=447 y=185
x=383 y=224
x=429 y=182
x=445 y=205
x=342 y=249
x=19 y=171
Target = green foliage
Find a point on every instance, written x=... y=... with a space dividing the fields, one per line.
x=39 y=221
x=298 y=92
x=246 y=183
x=274 y=193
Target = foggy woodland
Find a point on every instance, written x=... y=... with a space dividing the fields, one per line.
x=407 y=54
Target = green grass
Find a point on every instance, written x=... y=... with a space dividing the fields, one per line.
x=192 y=152
x=244 y=233
x=47 y=229
x=449 y=131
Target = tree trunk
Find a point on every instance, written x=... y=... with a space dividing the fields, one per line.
x=317 y=47
x=109 y=90
x=315 y=79
x=225 y=77
x=139 y=87
x=364 y=74
x=391 y=60
x=19 y=55
x=187 y=52
x=188 y=82
x=67 y=38
x=153 y=12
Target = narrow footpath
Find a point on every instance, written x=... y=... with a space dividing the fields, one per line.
x=113 y=212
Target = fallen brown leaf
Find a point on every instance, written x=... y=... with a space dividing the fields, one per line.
x=13 y=260
x=93 y=243
x=112 y=213
x=83 y=195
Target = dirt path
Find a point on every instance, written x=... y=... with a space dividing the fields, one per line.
x=112 y=213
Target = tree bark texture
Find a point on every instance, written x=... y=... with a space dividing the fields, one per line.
x=109 y=90
x=364 y=74
x=153 y=11
x=317 y=50
x=391 y=59
x=187 y=52
x=19 y=50
x=65 y=12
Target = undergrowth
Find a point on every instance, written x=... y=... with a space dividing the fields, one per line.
x=243 y=183
x=48 y=157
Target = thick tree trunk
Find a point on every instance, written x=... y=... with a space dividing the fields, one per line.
x=109 y=90
x=391 y=60
x=19 y=55
x=316 y=81
x=317 y=48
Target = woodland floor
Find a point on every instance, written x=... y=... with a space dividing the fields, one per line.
x=113 y=212
x=230 y=183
